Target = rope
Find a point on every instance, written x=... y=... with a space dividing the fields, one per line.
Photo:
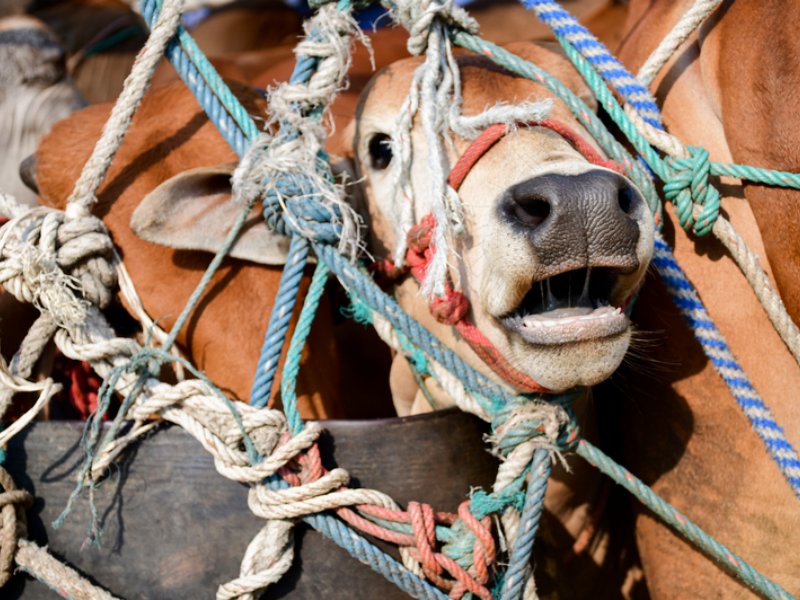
x=712 y=341
x=83 y=194
x=567 y=28
x=691 y=20
x=518 y=576
x=730 y=562
x=29 y=557
x=290 y=173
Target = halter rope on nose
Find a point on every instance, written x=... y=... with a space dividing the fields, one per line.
x=452 y=308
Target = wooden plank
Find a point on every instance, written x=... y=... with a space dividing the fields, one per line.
x=173 y=528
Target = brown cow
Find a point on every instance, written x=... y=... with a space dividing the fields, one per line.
x=729 y=90
x=100 y=38
x=527 y=169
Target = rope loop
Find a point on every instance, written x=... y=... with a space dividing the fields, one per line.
x=13 y=503
x=688 y=186
x=294 y=206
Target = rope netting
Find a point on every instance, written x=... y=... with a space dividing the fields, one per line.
x=65 y=264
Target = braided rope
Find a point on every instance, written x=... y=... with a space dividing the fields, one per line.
x=724 y=362
x=567 y=28
x=732 y=563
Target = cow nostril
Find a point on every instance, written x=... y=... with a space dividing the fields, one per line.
x=626 y=198
x=531 y=211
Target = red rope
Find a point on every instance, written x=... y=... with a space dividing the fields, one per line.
x=441 y=570
x=452 y=308
x=491 y=135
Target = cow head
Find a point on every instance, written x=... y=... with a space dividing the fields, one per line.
x=554 y=245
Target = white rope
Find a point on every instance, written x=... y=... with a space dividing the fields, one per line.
x=436 y=84
x=83 y=195
x=690 y=21
x=127 y=290
x=10 y=385
x=770 y=300
x=42 y=565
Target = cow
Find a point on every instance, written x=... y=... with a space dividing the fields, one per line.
x=100 y=39
x=576 y=238
x=727 y=89
x=34 y=94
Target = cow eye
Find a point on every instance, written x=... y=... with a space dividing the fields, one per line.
x=380 y=151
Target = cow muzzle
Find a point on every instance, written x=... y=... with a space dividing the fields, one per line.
x=584 y=232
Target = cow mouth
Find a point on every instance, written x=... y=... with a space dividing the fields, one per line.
x=570 y=307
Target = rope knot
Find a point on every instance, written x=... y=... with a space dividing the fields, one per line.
x=290 y=170
x=543 y=424
x=55 y=263
x=419 y=236
x=697 y=201
x=418 y=16
x=450 y=308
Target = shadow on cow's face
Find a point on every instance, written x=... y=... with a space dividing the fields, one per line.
x=554 y=245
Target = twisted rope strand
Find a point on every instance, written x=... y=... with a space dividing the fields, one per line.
x=83 y=196
x=689 y=21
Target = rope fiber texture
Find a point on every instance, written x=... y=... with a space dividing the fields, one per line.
x=277 y=455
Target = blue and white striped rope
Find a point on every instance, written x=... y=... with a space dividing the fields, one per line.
x=569 y=30
x=713 y=344
x=688 y=302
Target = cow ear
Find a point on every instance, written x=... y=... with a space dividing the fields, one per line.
x=195 y=211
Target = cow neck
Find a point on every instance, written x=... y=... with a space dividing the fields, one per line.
x=452 y=307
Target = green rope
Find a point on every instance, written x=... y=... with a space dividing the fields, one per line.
x=724 y=557
x=686 y=179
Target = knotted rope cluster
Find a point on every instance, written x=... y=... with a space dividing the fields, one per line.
x=288 y=169
x=688 y=187
x=525 y=436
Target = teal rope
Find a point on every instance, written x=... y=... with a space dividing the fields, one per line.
x=732 y=563
x=209 y=273
x=291 y=367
